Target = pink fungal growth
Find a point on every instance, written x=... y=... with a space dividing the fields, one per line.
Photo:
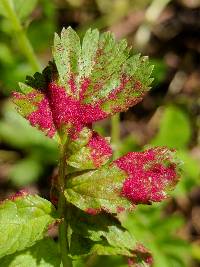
x=150 y=174
x=42 y=117
x=53 y=108
x=66 y=109
x=100 y=149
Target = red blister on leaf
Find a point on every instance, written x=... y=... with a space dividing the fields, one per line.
x=100 y=149
x=149 y=174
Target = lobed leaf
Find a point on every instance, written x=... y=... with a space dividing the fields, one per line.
x=24 y=219
x=102 y=235
x=90 y=81
x=98 y=190
x=138 y=177
x=43 y=254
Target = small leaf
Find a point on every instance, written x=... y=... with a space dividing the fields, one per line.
x=43 y=254
x=138 y=177
x=24 y=219
x=95 y=152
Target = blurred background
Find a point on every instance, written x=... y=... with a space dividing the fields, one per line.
x=169 y=33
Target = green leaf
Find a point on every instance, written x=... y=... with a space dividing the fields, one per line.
x=102 y=226
x=24 y=219
x=43 y=254
x=138 y=177
x=22 y=8
x=101 y=235
x=174 y=129
x=98 y=190
x=89 y=48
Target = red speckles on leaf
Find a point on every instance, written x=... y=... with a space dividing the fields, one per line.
x=100 y=149
x=88 y=81
x=22 y=193
x=83 y=88
x=137 y=85
x=150 y=174
x=140 y=254
x=34 y=106
x=120 y=209
x=92 y=211
x=123 y=81
x=127 y=94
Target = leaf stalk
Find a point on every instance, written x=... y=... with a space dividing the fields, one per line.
x=63 y=209
x=115 y=134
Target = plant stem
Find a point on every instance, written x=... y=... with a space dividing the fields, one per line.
x=115 y=134
x=24 y=43
x=62 y=209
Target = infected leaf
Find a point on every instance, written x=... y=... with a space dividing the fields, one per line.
x=138 y=177
x=90 y=81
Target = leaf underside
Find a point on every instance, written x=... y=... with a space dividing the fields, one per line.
x=101 y=235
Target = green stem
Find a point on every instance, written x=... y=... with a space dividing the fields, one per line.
x=63 y=209
x=25 y=44
x=115 y=134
